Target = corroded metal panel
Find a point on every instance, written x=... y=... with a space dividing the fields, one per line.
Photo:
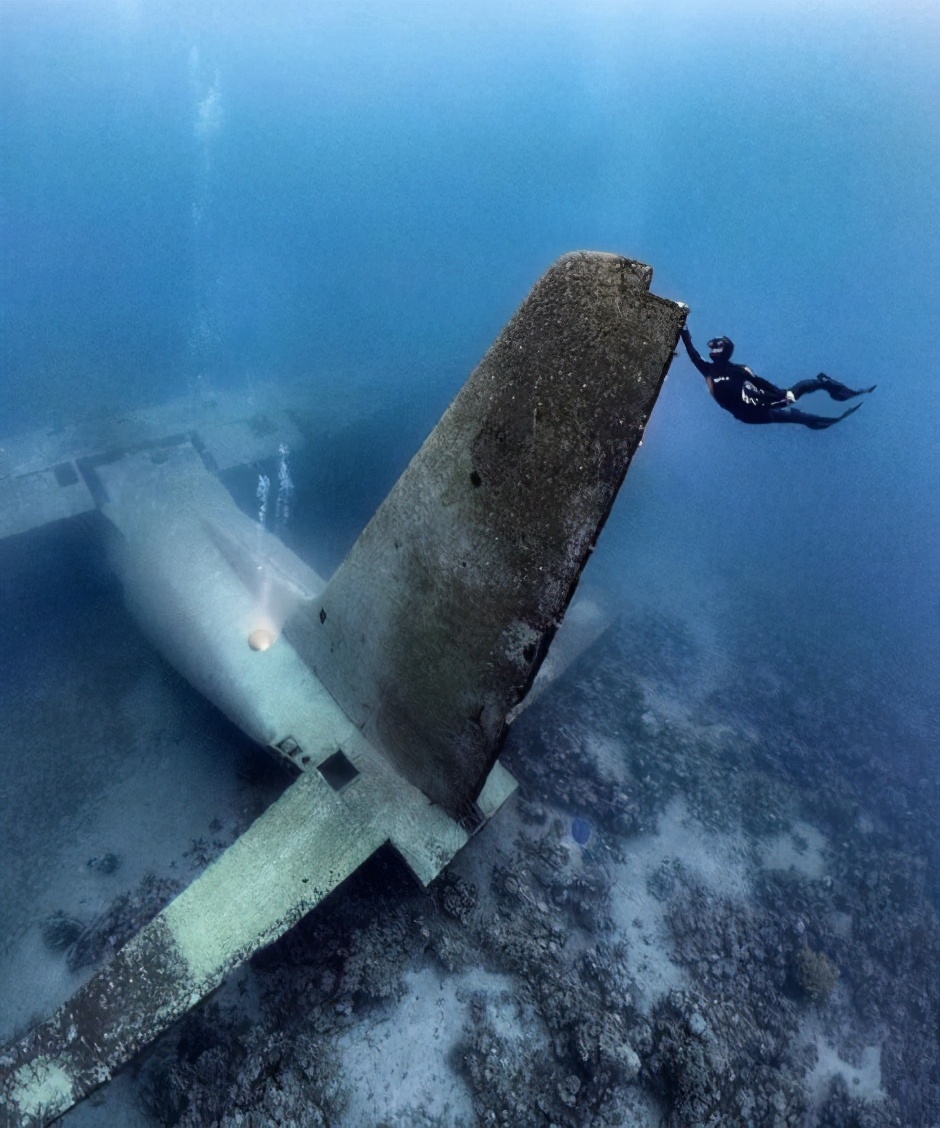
x=436 y=623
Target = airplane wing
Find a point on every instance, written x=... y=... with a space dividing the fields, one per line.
x=45 y=475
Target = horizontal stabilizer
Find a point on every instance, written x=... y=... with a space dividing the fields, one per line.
x=436 y=623
x=301 y=848
x=305 y=845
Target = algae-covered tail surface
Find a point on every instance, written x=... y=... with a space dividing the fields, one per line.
x=436 y=623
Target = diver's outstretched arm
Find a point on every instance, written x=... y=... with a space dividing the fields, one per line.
x=694 y=355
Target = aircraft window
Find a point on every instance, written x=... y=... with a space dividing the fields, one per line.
x=338 y=770
x=65 y=474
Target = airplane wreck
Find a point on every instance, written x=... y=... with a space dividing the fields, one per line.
x=389 y=686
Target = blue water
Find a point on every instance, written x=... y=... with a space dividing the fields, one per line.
x=210 y=192
x=209 y=195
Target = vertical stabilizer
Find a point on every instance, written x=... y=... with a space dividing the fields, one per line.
x=436 y=623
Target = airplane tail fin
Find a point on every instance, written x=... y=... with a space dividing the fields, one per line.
x=437 y=621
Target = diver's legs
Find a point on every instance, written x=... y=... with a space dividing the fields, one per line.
x=824 y=383
x=802 y=388
x=814 y=422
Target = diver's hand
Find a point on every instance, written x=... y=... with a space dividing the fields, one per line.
x=685 y=335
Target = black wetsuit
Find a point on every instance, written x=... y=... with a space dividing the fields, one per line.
x=752 y=399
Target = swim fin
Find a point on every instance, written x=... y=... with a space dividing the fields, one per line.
x=841 y=392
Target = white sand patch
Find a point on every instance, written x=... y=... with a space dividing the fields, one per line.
x=397 y=1062
x=665 y=706
x=863 y=1080
x=609 y=753
x=801 y=848
x=718 y=861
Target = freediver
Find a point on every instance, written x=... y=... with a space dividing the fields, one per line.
x=753 y=399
